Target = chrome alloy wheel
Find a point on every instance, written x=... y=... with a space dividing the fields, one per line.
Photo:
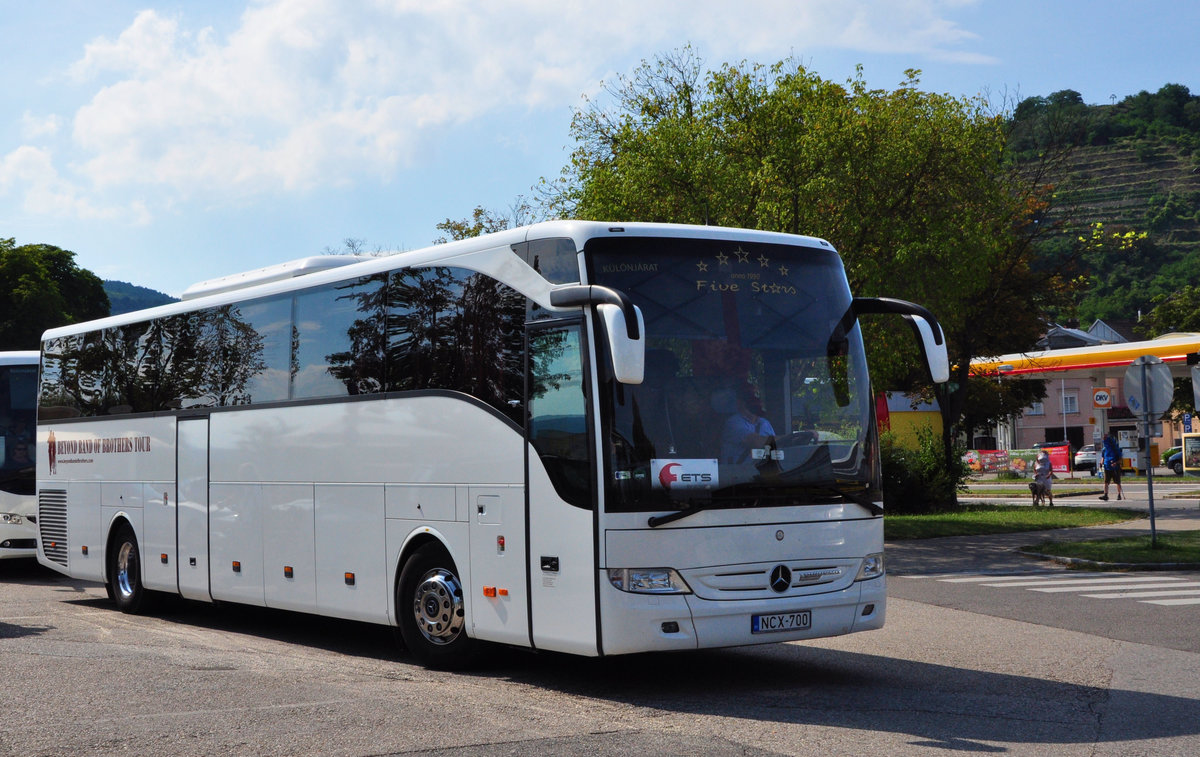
x=438 y=606
x=127 y=569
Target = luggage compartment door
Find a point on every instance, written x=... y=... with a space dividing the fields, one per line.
x=192 y=508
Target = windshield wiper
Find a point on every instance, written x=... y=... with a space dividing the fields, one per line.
x=659 y=520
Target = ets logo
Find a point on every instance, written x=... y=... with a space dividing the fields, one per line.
x=677 y=475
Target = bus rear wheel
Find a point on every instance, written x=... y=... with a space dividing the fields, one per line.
x=430 y=610
x=125 y=572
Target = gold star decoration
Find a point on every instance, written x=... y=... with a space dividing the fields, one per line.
x=722 y=258
x=742 y=255
x=763 y=261
x=783 y=271
x=702 y=266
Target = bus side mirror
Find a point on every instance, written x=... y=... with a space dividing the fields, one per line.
x=928 y=331
x=933 y=348
x=628 y=355
x=623 y=325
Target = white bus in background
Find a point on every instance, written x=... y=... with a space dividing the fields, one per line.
x=523 y=438
x=18 y=425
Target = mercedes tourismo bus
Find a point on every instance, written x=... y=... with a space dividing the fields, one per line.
x=529 y=438
x=18 y=425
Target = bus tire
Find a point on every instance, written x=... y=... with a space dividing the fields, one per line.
x=431 y=611
x=125 y=572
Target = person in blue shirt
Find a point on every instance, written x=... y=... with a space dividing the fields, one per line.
x=1112 y=456
x=746 y=429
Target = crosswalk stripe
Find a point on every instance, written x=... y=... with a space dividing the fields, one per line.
x=1032 y=577
x=1145 y=594
x=1073 y=584
x=1155 y=590
x=1130 y=587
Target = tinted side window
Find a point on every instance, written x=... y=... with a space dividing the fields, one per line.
x=340 y=339
x=245 y=351
x=454 y=329
x=556 y=259
x=558 y=403
x=59 y=392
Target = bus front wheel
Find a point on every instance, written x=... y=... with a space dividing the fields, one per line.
x=430 y=610
x=125 y=572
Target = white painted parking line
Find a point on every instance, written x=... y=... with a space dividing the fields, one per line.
x=1192 y=601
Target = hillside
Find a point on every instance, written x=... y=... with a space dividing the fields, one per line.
x=124 y=297
x=1143 y=184
x=1133 y=167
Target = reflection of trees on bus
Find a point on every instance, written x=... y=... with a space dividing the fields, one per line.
x=360 y=367
x=413 y=329
x=454 y=329
x=418 y=330
x=203 y=359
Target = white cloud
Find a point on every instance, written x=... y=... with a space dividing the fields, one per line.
x=35 y=127
x=31 y=172
x=311 y=93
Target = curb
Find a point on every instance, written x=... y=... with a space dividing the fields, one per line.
x=1081 y=562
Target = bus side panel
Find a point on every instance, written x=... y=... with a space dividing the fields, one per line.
x=85 y=528
x=192 y=513
x=158 y=545
x=235 y=543
x=289 y=547
x=351 y=552
x=562 y=569
x=498 y=562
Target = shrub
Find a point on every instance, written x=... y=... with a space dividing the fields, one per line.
x=918 y=481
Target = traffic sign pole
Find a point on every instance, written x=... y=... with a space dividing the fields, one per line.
x=1150 y=463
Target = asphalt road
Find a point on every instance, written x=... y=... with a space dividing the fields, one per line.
x=85 y=679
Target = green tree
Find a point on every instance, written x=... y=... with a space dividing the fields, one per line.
x=484 y=221
x=41 y=288
x=910 y=186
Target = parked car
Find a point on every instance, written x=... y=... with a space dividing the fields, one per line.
x=1168 y=454
x=1175 y=463
x=1085 y=458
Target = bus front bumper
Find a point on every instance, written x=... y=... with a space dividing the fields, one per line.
x=642 y=623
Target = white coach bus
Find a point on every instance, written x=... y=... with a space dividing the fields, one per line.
x=18 y=424
x=572 y=436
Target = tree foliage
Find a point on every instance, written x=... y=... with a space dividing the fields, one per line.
x=1062 y=119
x=41 y=287
x=910 y=186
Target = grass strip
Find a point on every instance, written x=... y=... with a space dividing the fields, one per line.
x=1178 y=547
x=973 y=520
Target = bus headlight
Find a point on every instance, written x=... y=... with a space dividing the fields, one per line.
x=872 y=567
x=648 y=580
x=11 y=519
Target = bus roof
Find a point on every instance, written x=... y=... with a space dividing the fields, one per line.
x=20 y=357
x=277 y=272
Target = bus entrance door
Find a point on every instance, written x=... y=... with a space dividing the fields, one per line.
x=560 y=476
x=192 y=508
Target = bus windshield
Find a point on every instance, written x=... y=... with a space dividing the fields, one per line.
x=18 y=395
x=752 y=395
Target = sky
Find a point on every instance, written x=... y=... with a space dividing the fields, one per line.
x=166 y=143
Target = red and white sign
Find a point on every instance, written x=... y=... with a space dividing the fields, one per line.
x=678 y=475
x=1101 y=397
